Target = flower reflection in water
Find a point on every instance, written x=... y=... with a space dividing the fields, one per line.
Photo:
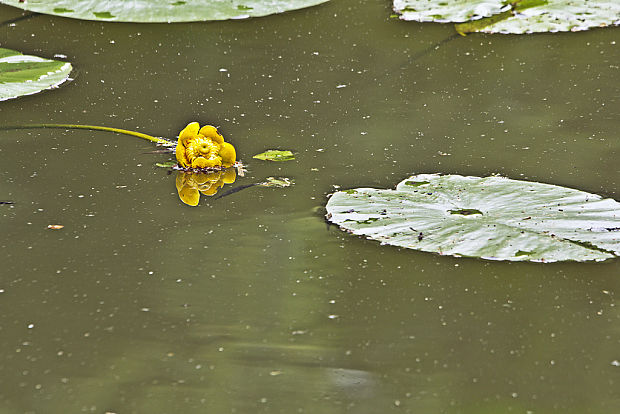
x=191 y=184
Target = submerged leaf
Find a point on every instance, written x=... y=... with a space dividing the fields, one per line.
x=493 y=218
x=516 y=17
x=152 y=11
x=25 y=74
x=167 y=164
x=275 y=155
x=277 y=182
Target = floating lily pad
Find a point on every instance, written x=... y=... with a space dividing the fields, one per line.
x=493 y=218
x=518 y=16
x=275 y=155
x=24 y=74
x=153 y=11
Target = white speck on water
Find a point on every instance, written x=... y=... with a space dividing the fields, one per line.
x=333 y=316
x=223 y=70
x=615 y=363
x=341 y=86
x=30 y=326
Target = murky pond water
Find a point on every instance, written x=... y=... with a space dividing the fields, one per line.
x=251 y=303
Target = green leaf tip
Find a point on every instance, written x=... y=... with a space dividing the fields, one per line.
x=275 y=155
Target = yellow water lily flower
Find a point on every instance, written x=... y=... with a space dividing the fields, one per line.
x=204 y=148
x=190 y=185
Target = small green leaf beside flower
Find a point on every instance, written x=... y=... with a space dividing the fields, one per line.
x=275 y=155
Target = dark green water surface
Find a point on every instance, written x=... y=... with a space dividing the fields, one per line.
x=251 y=303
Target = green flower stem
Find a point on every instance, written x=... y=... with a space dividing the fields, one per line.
x=95 y=128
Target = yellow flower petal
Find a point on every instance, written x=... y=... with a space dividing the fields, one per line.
x=228 y=154
x=190 y=131
x=210 y=131
x=180 y=153
x=202 y=162
x=199 y=162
